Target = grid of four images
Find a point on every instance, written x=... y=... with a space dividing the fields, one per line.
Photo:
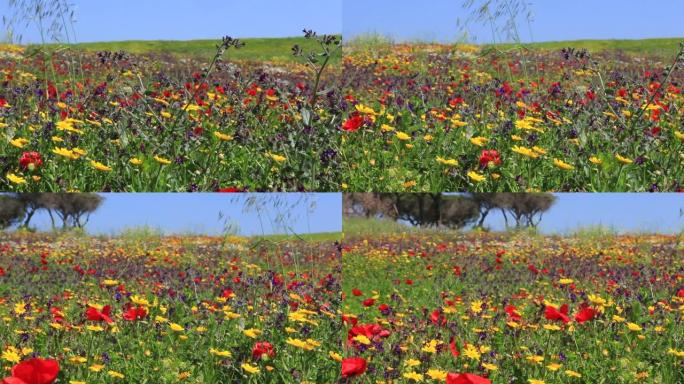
x=343 y=191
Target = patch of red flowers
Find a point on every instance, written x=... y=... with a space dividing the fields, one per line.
x=34 y=371
x=93 y=314
x=135 y=313
x=585 y=314
x=30 y=160
x=552 y=313
x=512 y=312
x=437 y=317
x=261 y=349
x=371 y=331
x=466 y=378
x=229 y=190
x=488 y=157
x=353 y=123
x=353 y=366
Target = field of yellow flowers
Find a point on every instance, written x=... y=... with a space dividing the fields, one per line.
x=486 y=308
x=455 y=118
x=114 y=121
x=178 y=310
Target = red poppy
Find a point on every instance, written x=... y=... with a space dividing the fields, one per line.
x=262 y=348
x=453 y=348
x=489 y=157
x=456 y=101
x=34 y=371
x=681 y=293
x=135 y=313
x=551 y=313
x=93 y=314
x=229 y=190
x=466 y=378
x=512 y=312
x=353 y=366
x=368 y=302
x=655 y=131
x=356 y=292
x=371 y=331
x=587 y=313
x=353 y=123
x=3 y=102
x=350 y=320
x=57 y=314
x=30 y=160
x=437 y=318
x=52 y=91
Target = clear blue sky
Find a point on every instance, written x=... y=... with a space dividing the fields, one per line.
x=625 y=212
x=435 y=20
x=112 y=20
x=199 y=213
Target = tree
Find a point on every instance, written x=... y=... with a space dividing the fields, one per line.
x=73 y=209
x=435 y=209
x=487 y=202
x=33 y=202
x=528 y=208
x=11 y=211
x=459 y=211
x=368 y=204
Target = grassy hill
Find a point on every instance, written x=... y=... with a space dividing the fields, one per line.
x=656 y=47
x=311 y=237
x=664 y=47
x=256 y=49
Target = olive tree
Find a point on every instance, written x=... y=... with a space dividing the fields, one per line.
x=11 y=211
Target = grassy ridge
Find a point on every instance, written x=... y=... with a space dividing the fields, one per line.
x=279 y=49
x=256 y=49
x=309 y=237
x=656 y=47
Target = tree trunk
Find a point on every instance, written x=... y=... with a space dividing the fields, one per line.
x=52 y=219
x=29 y=215
x=483 y=216
x=503 y=212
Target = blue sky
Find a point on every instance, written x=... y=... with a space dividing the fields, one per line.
x=625 y=212
x=197 y=19
x=199 y=213
x=436 y=20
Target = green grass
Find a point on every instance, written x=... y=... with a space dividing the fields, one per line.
x=308 y=237
x=256 y=49
x=662 y=47
x=370 y=40
x=361 y=226
x=655 y=47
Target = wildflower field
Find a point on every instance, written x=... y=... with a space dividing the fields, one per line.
x=174 y=117
x=428 y=117
x=173 y=310
x=513 y=308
